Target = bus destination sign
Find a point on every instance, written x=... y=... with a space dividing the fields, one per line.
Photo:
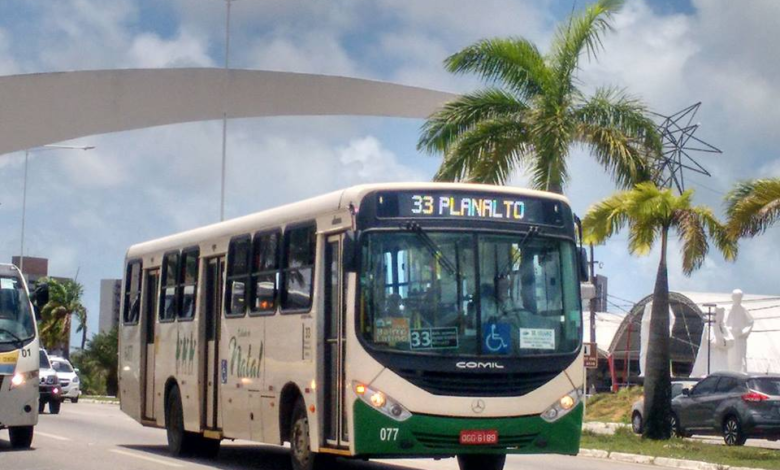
x=468 y=206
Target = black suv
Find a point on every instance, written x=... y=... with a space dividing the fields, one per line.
x=736 y=406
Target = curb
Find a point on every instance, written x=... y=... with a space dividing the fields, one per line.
x=657 y=461
x=99 y=402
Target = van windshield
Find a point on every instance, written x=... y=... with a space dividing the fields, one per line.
x=16 y=318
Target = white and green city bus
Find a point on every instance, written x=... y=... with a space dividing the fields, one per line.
x=388 y=320
x=18 y=359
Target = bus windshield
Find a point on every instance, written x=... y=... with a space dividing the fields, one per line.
x=16 y=319
x=466 y=294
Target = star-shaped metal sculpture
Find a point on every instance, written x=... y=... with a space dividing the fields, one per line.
x=678 y=142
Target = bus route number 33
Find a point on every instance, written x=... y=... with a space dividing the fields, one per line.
x=388 y=434
x=422 y=205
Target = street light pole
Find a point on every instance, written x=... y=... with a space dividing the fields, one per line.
x=709 y=335
x=24 y=188
x=224 y=112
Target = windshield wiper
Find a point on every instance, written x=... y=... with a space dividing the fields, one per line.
x=432 y=247
x=16 y=339
x=529 y=235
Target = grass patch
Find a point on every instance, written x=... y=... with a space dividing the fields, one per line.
x=613 y=407
x=626 y=441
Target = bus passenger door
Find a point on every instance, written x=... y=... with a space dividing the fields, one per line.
x=152 y=290
x=335 y=422
x=212 y=315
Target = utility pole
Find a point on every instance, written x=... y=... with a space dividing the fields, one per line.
x=224 y=112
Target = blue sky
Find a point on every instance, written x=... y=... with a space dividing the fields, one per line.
x=86 y=208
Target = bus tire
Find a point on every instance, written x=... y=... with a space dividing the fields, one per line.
x=301 y=456
x=180 y=442
x=21 y=436
x=481 y=462
x=54 y=407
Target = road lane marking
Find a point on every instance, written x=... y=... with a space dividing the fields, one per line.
x=51 y=436
x=143 y=457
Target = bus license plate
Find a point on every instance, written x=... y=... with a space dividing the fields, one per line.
x=479 y=437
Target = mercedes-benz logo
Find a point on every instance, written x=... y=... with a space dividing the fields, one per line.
x=478 y=406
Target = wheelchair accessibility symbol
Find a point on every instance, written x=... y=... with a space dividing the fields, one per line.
x=497 y=338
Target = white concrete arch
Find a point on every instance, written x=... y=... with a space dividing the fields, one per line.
x=39 y=109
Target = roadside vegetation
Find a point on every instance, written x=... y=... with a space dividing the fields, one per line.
x=97 y=364
x=613 y=407
x=687 y=449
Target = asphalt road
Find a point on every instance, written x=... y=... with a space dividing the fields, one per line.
x=100 y=437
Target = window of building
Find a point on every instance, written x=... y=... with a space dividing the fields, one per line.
x=298 y=270
x=168 y=287
x=265 y=271
x=132 y=293
x=238 y=276
x=189 y=283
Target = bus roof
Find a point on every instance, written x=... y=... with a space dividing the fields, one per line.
x=311 y=208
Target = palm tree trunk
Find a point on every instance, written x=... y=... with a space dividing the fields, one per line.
x=83 y=336
x=658 y=387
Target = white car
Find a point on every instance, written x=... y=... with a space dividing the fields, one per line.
x=69 y=380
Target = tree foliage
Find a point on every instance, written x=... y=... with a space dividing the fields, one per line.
x=64 y=301
x=98 y=364
x=534 y=112
x=650 y=214
x=753 y=206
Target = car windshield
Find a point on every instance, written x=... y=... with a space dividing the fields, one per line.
x=61 y=366
x=469 y=294
x=44 y=360
x=16 y=318
x=770 y=386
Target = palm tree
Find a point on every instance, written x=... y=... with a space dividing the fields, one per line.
x=651 y=213
x=753 y=206
x=64 y=301
x=533 y=112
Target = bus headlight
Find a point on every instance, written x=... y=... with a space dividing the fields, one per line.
x=381 y=402
x=20 y=378
x=562 y=407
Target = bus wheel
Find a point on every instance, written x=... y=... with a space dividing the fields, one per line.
x=54 y=407
x=21 y=436
x=180 y=442
x=300 y=452
x=481 y=462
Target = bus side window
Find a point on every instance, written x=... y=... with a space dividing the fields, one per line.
x=132 y=307
x=168 y=287
x=189 y=282
x=298 y=268
x=265 y=272
x=237 y=283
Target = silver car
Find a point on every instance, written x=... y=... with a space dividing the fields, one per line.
x=638 y=410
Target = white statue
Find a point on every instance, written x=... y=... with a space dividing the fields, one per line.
x=740 y=323
x=718 y=335
x=644 y=334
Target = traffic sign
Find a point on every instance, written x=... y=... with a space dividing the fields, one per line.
x=591 y=353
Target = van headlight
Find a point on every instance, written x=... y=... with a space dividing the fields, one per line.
x=20 y=378
x=562 y=407
x=381 y=402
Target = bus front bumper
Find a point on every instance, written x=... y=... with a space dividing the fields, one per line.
x=377 y=435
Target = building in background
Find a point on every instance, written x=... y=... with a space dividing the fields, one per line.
x=110 y=297
x=33 y=269
x=600 y=282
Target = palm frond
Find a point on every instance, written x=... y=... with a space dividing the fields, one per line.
x=641 y=236
x=552 y=135
x=620 y=134
x=605 y=218
x=583 y=31
x=515 y=63
x=486 y=154
x=693 y=238
x=445 y=126
x=752 y=207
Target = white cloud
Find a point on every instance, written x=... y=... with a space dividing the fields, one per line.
x=186 y=50
x=308 y=52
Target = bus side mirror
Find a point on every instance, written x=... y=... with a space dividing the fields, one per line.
x=686 y=392
x=349 y=253
x=583 y=264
